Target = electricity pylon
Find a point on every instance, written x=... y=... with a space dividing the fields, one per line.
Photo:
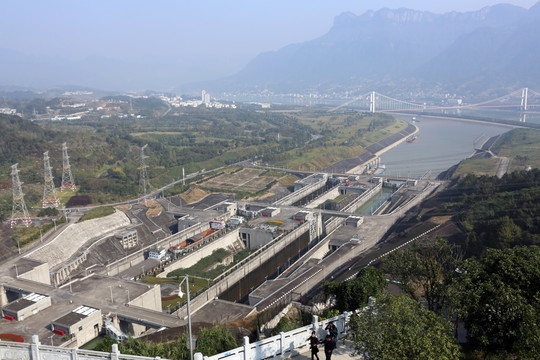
x=67 y=177
x=50 y=199
x=19 y=212
x=144 y=184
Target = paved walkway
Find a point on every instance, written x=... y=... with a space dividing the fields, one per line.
x=344 y=351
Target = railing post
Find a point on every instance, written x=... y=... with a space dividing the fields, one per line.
x=281 y=344
x=315 y=322
x=75 y=354
x=35 y=347
x=198 y=356
x=115 y=354
x=246 y=348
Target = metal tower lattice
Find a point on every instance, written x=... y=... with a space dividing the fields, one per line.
x=19 y=212
x=67 y=177
x=50 y=199
x=144 y=184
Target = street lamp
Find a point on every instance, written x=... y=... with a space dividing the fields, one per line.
x=129 y=300
x=180 y=294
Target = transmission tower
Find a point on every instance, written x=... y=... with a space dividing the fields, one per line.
x=67 y=177
x=19 y=212
x=50 y=199
x=144 y=184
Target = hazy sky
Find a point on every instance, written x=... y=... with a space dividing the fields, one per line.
x=228 y=33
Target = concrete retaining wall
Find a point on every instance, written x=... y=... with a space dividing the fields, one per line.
x=329 y=195
x=74 y=236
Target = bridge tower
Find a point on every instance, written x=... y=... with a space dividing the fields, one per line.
x=524 y=98
x=19 y=212
x=50 y=198
x=67 y=177
x=372 y=102
x=144 y=184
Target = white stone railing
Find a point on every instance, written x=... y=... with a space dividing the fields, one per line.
x=37 y=351
x=284 y=345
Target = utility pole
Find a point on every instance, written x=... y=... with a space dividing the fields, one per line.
x=50 y=199
x=67 y=177
x=19 y=210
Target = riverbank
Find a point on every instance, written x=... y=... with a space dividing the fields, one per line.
x=396 y=143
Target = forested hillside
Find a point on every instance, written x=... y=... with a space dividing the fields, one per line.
x=105 y=157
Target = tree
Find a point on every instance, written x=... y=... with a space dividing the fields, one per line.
x=354 y=294
x=430 y=266
x=215 y=340
x=399 y=328
x=499 y=300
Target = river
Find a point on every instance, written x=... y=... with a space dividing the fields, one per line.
x=441 y=144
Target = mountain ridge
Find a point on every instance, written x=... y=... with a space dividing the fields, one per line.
x=393 y=45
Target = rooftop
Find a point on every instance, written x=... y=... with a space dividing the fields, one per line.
x=75 y=316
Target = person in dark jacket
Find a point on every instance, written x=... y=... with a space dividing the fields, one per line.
x=313 y=342
x=329 y=346
x=333 y=332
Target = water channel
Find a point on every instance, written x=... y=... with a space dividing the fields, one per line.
x=441 y=144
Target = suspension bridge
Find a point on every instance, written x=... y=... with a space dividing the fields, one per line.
x=523 y=100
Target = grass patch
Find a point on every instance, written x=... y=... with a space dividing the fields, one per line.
x=487 y=166
x=96 y=213
x=202 y=267
x=522 y=146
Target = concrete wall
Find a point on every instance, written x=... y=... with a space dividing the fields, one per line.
x=223 y=242
x=38 y=274
x=149 y=300
x=329 y=195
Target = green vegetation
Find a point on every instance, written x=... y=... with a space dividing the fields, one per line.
x=202 y=267
x=96 y=213
x=498 y=298
x=104 y=153
x=354 y=294
x=484 y=166
x=397 y=327
x=214 y=340
x=48 y=212
x=293 y=320
x=522 y=146
x=27 y=235
x=177 y=350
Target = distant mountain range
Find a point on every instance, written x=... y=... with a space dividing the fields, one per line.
x=497 y=46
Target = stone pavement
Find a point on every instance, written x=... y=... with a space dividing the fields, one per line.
x=344 y=351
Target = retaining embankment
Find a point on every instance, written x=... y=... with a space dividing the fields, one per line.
x=74 y=236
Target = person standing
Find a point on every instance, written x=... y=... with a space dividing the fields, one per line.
x=329 y=346
x=313 y=344
x=333 y=332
